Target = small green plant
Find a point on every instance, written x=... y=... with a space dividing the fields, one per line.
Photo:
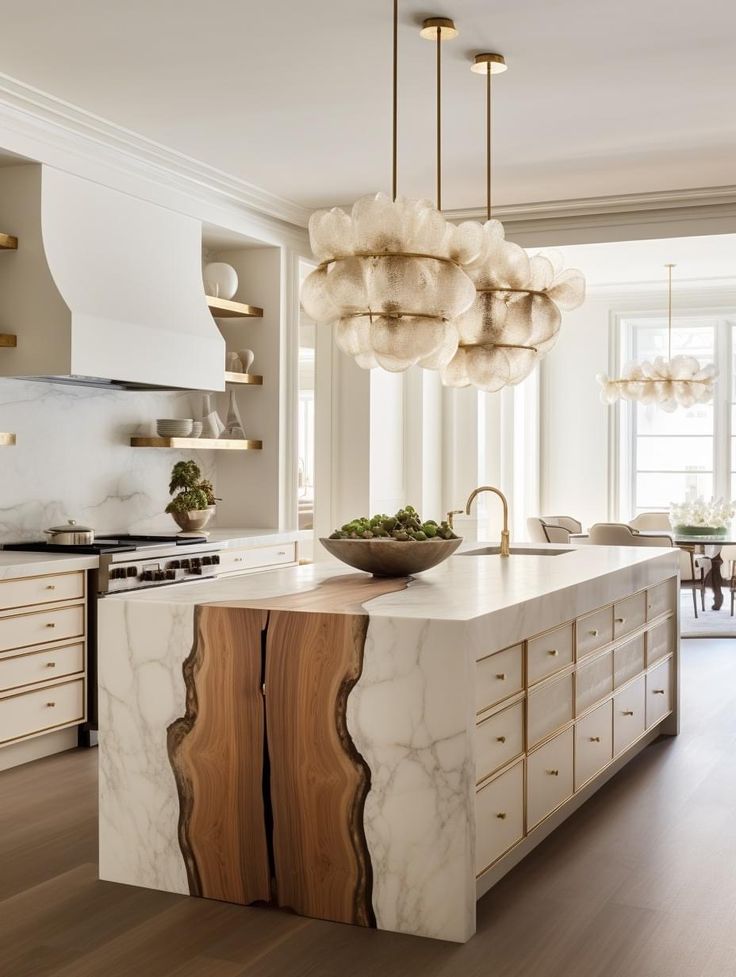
x=194 y=492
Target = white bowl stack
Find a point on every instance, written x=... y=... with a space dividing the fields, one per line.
x=179 y=427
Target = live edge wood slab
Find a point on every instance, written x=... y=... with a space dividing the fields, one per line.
x=271 y=787
x=305 y=739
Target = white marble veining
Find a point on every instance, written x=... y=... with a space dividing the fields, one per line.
x=73 y=459
x=141 y=693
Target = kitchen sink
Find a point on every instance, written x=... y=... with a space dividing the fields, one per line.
x=515 y=551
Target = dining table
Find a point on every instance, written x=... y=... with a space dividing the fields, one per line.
x=710 y=546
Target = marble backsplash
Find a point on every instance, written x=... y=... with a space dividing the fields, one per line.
x=73 y=459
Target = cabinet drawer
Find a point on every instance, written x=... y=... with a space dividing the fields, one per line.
x=548 y=653
x=594 y=631
x=258 y=557
x=628 y=715
x=661 y=598
x=660 y=641
x=659 y=693
x=628 y=661
x=593 y=682
x=593 y=743
x=548 y=707
x=41 y=590
x=499 y=817
x=549 y=777
x=23 y=630
x=34 y=712
x=499 y=740
x=497 y=677
x=629 y=614
x=40 y=666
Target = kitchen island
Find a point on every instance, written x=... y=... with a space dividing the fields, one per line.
x=377 y=752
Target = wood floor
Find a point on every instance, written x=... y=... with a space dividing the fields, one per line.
x=641 y=882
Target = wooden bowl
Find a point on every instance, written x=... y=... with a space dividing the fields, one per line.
x=390 y=557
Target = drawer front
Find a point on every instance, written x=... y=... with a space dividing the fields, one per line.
x=233 y=561
x=34 y=712
x=628 y=661
x=40 y=666
x=499 y=740
x=499 y=817
x=593 y=682
x=593 y=743
x=548 y=708
x=594 y=631
x=24 y=630
x=629 y=614
x=659 y=693
x=41 y=590
x=548 y=653
x=661 y=598
x=497 y=677
x=549 y=777
x=629 y=720
x=661 y=641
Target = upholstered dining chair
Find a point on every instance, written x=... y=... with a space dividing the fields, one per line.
x=648 y=521
x=541 y=529
x=728 y=555
x=567 y=522
x=692 y=568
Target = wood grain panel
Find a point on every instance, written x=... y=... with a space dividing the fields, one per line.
x=216 y=752
x=318 y=782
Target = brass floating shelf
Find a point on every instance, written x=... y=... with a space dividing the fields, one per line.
x=227 y=309
x=244 y=378
x=197 y=444
x=8 y=341
x=8 y=242
x=6 y=439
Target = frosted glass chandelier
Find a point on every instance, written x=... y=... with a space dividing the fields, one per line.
x=677 y=381
x=391 y=275
x=516 y=315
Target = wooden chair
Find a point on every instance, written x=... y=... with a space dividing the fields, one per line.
x=728 y=555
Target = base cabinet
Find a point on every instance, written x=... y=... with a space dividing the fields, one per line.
x=629 y=721
x=549 y=780
x=593 y=743
x=499 y=815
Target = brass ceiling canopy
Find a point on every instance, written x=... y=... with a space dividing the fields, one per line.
x=482 y=63
x=442 y=25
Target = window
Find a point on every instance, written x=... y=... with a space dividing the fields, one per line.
x=674 y=457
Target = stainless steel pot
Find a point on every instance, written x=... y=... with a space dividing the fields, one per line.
x=70 y=535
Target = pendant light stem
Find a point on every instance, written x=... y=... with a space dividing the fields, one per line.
x=439 y=118
x=488 y=140
x=669 y=312
x=395 y=104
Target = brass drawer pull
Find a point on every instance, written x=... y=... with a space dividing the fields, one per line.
x=51 y=586
x=50 y=624
x=658 y=691
x=501 y=676
x=620 y=620
x=595 y=739
x=628 y=712
x=593 y=632
x=50 y=664
x=50 y=705
x=500 y=739
x=554 y=652
x=554 y=773
x=501 y=815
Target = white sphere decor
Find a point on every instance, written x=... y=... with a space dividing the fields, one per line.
x=220 y=280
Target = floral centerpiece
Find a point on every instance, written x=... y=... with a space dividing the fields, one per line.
x=701 y=518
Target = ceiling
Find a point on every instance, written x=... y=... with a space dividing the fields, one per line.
x=294 y=95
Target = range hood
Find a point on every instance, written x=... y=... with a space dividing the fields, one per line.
x=104 y=289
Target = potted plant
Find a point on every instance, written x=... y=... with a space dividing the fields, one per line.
x=194 y=504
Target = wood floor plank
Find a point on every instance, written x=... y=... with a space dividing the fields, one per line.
x=638 y=883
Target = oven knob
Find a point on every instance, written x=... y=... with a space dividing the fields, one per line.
x=197 y=570
x=159 y=575
x=173 y=564
x=171 y=574
x=185 y=564
x=206 y=561
x=147 y=575
x=132 y=572
x=196 y=562
x=215 y=559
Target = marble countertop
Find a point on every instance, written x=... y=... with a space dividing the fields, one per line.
x=15 y=563
x=463 y=588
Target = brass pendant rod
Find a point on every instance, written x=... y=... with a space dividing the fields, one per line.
x=439 y=118
x=669 y=312
x=395 y=103
x=488 y=140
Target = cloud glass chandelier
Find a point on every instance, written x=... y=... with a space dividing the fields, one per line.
x=516 y=316
x=391 y=273
x=677 y=381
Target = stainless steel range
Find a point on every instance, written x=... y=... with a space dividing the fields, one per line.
x=129 y=562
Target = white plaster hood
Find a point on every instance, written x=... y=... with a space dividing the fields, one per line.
x=104 y=288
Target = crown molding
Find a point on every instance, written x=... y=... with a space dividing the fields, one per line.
x=50 y=120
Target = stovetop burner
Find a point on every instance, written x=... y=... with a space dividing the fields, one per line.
x=120 y=543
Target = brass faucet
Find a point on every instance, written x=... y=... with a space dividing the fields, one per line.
x=505 y=534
